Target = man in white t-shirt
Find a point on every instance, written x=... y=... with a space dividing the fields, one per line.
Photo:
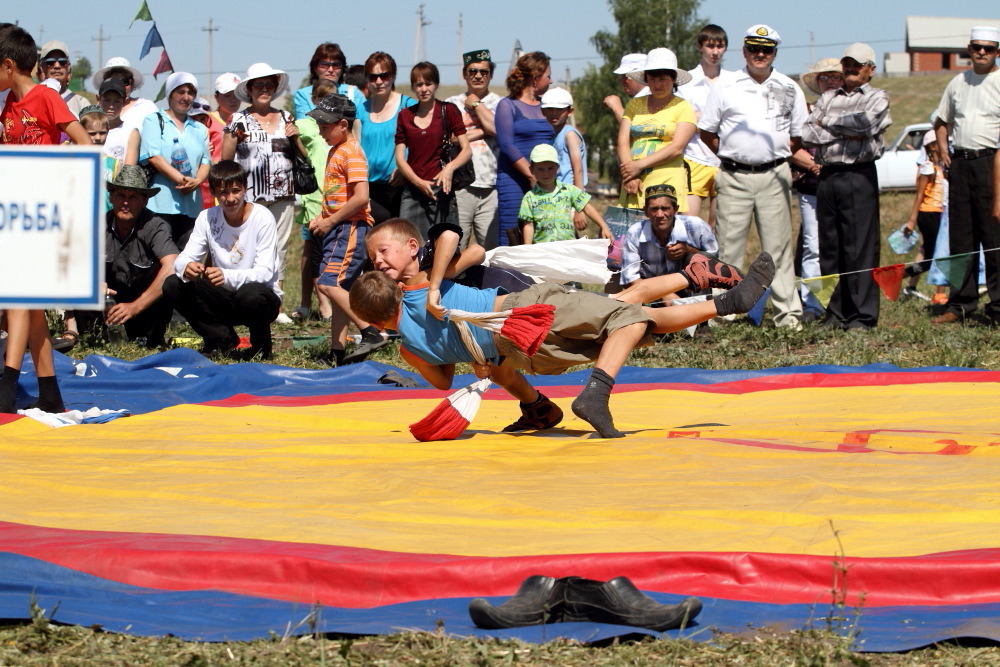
x=240 y=287
x=701 y=162
x=54 y=63
x=753 y=122
x=477 y=204
x=630 y=72
x=970 y=113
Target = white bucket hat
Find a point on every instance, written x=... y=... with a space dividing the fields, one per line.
x=117 y=63
x=260 y=71
x=178 y=79
x=663 y=58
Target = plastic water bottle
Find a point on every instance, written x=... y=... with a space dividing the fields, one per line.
x=179 y=159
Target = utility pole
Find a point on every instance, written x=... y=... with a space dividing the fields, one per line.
x=100 y=39
x=418 y=45
x=211 y=75
x=460 y=64
x=812 y=49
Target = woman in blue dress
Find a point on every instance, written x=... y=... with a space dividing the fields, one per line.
x=520 y=127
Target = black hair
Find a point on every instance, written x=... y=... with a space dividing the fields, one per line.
x=19 y=46
x=425 y=71
x=355 y=76
x=226 y=172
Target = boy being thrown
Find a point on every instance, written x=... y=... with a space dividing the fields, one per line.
x=587 y=326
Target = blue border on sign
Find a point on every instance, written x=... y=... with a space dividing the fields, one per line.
x=96 y=270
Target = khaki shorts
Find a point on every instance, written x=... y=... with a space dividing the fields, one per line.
x=701 y=179
x=582 y=322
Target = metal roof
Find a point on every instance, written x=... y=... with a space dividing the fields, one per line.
x=940 y=33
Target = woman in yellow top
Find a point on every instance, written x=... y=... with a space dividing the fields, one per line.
x=654 y=132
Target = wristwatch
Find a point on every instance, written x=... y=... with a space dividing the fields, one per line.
x=472 y=107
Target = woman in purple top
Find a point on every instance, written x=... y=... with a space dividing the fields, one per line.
x=520 y=127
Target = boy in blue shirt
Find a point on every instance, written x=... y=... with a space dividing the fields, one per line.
x=547 y=209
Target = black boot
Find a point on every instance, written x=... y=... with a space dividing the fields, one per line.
x=538 y=600
x=541 y=414
x=619 y=602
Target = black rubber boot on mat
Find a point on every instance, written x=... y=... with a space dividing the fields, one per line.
x=538 y=600
x=619 y=602
x=541 y=414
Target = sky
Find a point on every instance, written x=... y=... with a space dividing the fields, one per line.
x=255 y=31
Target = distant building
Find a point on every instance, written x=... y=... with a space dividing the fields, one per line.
x=937 y=43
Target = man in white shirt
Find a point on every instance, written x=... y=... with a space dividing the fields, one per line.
x=54 y=63
x=701 y=162
x=970 y=113
x=241 y=285
x=753 y=122
x=630 y=72
x=477 y=204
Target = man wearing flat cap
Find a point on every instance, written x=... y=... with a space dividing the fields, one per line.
x=753 y=122
x=846 y=127
x=139 y=256
x=665 y=241
x=970 y=113
x=477 y=204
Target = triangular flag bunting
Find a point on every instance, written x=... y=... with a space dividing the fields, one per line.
x=164 y=65
x=954 y=268
x=756 y=313
x=142 y=15
x=822 y=287
x=163 y=92
x=889 y=279
x=152 y=39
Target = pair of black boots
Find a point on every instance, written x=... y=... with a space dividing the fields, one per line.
x=574 y=599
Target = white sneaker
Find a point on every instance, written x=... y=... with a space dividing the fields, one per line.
x=283 y=319
x=914 y=293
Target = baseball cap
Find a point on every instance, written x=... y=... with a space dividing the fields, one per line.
x=544 y=153
x=762 y=35
x=860 y=52
x=633 y=62
x=226 y=83
x=53 y=45
x=112 y=85
x=557 y=98
x=333 y=108
x=199 y=107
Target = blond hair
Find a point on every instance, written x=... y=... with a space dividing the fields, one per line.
x=375 y=297
x=399 y=229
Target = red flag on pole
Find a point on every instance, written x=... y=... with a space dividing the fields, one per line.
x=163 y=65
x=889 y=279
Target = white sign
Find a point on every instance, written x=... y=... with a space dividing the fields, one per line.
x=51 y=227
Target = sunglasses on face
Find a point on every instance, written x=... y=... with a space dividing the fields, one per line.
x=477 y=72
x=985 y=48
x=756 y=48
x=329 y=64
x=199 y=105
x=829 y=78
x=263 y=85
x=383 y=76
x=53 y=61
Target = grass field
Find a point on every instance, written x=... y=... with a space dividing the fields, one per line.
x=904 y=337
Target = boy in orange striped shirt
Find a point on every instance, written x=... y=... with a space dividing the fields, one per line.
x=343 y=224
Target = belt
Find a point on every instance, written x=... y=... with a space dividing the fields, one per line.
x=972 y=154
x=844 y=166
x=732 y=165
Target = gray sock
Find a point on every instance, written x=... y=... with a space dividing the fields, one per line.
x=592 y=404
x=743 y=297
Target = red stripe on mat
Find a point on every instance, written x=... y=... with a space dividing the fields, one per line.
x=357 y=578
x=763 y=383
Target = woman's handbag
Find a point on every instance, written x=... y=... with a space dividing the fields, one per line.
x=303 y=174
x=465 y=175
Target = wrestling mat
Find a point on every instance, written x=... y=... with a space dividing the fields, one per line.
x=247 y=499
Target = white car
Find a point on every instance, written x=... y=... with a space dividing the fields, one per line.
x=897 y=168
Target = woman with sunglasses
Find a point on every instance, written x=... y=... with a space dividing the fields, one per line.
x=378 y=135
x=328 y=63
x=260 y=138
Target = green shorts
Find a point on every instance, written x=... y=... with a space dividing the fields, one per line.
x=582 y=322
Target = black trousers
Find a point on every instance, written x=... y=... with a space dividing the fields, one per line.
x=847 y=213
x=970 y=223
x=213 y=311
x=150 y=324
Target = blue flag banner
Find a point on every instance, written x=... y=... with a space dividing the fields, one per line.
x=152 y=39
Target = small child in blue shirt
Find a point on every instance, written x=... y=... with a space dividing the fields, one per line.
x=547 y=209
x=557 y=107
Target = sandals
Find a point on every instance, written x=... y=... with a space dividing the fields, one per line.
x=66 y=342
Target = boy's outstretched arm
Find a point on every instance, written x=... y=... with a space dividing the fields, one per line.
x=599 y=221
x=440 y=377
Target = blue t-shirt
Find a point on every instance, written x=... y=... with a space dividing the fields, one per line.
x=438 y=342
x=302 y=99
x=156 y=141
x=379 y=141
x=565 y=173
